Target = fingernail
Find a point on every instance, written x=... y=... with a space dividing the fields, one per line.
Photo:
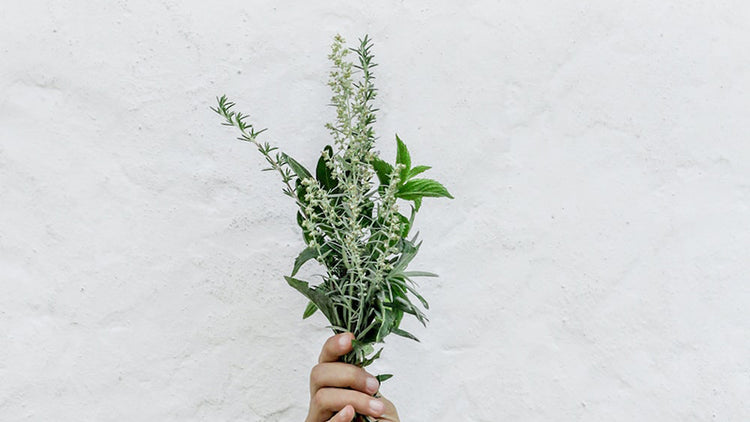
x=377 y=407
x=372 y=385
x=344 y=341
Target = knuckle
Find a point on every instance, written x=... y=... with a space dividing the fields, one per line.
x=318 y=400
x=315 y=374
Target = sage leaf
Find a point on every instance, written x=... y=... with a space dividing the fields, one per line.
x=298 y=168
x=323 y=173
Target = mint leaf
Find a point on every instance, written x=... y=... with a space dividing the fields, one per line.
x=383 y=170
x=417 y=170
x=418 y=188
x=402 y=157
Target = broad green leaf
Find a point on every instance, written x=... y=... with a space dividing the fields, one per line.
x=417 y=170
x=304 y=256
x=402 y=333
x=309 y=310
x=417 y=203
x=301 y=191
x=298 y=168
x=300 y=223
x=418 y=188
x=320 y=299
x=383 y=170
x=323 y=173
x=402 y=157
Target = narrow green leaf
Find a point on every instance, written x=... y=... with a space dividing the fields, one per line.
x=372 y=359
x=385 y=327
x=406 y=334
x=419 y=274
x=418 y=188
x=383 y=377
x=421 y=299
x=309 y=310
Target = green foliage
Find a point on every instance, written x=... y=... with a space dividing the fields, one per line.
x=349 y=213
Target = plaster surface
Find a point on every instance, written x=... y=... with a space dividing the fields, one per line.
x=594 y=264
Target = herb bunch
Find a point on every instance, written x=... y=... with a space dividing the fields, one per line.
x=349 y=212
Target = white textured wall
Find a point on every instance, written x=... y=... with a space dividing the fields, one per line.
x=594 y=263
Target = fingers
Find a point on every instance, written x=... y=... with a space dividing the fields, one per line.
x=337 y=374
x=345 y=415
x=329 y=400
x=336 y=346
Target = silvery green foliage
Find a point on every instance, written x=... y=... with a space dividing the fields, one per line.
x=349 y=213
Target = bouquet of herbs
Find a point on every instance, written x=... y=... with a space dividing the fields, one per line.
x=348 y=210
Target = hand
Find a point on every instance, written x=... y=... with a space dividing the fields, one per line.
x=329 y=394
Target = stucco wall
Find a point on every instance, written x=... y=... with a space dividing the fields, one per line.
x=593 y=264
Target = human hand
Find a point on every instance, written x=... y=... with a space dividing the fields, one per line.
x=338 y=390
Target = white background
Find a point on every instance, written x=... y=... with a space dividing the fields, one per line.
x=593 y=264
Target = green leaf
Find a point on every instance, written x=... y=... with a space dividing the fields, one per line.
x=309 y=310
x=402 y=157
x=298 y=168
x=320 y=299
x=406 y=334
x=421 y=299
x=405 y=305
x=383 y=170
x=372 y=359
x=408 y=253
x=323 y=173
x=417 y=170
x=419 y=188
x=383 y=377
x=417 y=203
x=419 y=274
x=304 y=256
x=405 y=225
x=305 y=232
x=385 y=327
